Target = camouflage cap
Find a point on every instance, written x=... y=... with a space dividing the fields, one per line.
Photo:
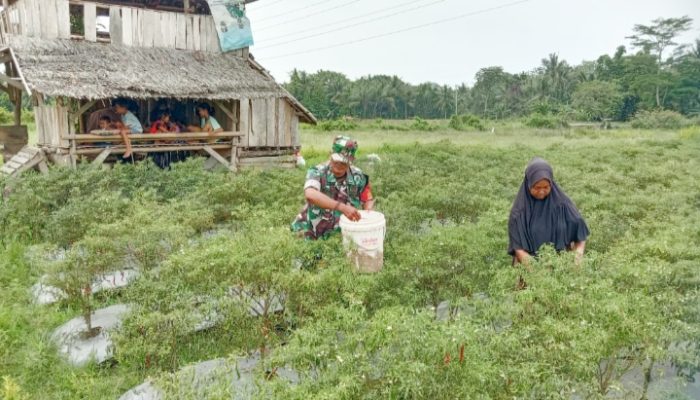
x=344 y=149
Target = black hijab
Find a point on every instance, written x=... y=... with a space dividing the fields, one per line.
x=554 y=220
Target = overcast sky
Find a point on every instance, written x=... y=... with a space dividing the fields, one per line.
x=516 y=36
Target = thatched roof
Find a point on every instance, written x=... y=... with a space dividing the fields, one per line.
x=86 y=70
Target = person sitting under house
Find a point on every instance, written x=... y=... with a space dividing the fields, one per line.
x=332 y=189
x=129 y=124
x=163 y=124
x=207 y=121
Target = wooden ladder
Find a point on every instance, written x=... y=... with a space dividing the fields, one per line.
x=27 y=158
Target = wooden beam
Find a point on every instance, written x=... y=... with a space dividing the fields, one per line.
x=19 y=72
x=226 y=111
x=102 y=157
x=14 y=82
x=153 y=136
x=84 y=108
x=218 y=157
x=152 y=149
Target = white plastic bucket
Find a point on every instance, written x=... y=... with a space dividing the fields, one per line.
x=364 y=240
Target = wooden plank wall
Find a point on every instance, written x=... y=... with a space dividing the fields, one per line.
x=151 y=28
x=90 y=22
x=50 y=19
x=268 y=123
x=51 y=125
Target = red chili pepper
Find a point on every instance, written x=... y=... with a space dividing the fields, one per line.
x=461 y=353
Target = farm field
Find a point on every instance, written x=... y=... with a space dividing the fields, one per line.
x=442 y=320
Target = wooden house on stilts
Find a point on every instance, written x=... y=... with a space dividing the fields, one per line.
x=73 y=57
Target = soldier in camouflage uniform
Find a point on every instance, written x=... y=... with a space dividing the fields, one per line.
x=332 y=189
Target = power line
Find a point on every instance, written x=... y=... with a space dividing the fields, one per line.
x=352 y=25
x=457 y=17
x=271 y=3
x=325 y=10
x=296 y=11
x=337 y=22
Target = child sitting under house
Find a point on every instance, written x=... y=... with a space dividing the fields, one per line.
x=105 y=123
x=129 y=124
x=163 y=124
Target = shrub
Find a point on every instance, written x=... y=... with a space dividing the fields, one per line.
x=419 y=124
x=658 y=119
x=6 y=116
x=466 y=122
x=546 y=121
x=341 y=124
x=27 y=116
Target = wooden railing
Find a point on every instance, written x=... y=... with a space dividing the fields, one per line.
x=217 y=145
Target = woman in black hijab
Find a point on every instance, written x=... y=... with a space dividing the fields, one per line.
x=542 y=213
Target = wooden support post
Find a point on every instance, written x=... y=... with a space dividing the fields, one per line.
x=18 y=107
x=187 y=6
x=43 y=167
x=234 y=156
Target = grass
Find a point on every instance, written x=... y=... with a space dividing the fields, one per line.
x=504 y=135
x=446 y=195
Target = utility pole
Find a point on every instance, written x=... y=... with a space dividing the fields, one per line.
x=456 y=100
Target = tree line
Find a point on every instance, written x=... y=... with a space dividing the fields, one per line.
x=654 y=72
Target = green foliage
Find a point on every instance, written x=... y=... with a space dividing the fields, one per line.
x=27 y=116
x=597 y=100
x=546 y=121
x=466 y=122
x=658 y=119
x=340 y=124
x=87 y=259
x=664 y=73
x=574 y=331
x=6 y=117
x=419 y=124
x=690 y=133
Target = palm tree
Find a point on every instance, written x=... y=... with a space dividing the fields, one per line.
x=556 y=75
x=445 y=100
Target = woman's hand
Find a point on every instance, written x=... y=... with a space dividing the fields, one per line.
x=350 y=212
